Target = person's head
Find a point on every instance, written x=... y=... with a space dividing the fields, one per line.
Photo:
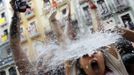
x=93 y=65
x=124 y=45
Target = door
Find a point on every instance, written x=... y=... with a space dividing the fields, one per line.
x=126 y=17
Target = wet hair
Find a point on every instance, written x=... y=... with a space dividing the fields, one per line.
x=127 y=54
x=124 y=45
x=78 y=66
x=86 y=55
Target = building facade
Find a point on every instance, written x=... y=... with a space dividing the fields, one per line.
x=110 y=13
x=116 y=12
x=35 y=27
x=32 y=30
x=7 y=65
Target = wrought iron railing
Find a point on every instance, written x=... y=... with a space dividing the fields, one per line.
x=6 y=61
x=121 y=5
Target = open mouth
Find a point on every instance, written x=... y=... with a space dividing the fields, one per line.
x=95 y=66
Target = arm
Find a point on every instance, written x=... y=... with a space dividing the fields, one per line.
x=20 y=57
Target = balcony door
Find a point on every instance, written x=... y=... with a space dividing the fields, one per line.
x=102 y=7
x=127 y=21
x=12 y=71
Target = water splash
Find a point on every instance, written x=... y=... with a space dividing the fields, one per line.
x=55 y=55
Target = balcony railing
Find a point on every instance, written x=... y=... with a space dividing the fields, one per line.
x=29 y=14
x=8 y=58
x=103 y=16
x=47 y=7
x=121 y=5
x=61 y=3
x=6 y=61
x=4 y=40
x=103 y=8
x=3 y=22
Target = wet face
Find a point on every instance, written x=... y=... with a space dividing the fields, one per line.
x=93 y=65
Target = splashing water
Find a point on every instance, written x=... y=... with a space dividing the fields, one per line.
x=55 y=55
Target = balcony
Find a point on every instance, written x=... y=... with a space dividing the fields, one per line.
x=3 y=22
x=32 y=30
x=7 y=58
x=6 y=61
x=29 y=14
x=47 y=8
x=4 y=39
x=106 y=15
x=1 y=6
x=121 y=5
x=103 y=9
x=61 y=3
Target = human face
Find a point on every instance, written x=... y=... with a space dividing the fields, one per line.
x=93 y=65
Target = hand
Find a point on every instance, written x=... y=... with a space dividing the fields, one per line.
x=19 y=5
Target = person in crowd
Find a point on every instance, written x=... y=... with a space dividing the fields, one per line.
x=127 y=54
x=103 y=62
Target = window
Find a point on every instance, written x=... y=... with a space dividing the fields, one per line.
x=47 y=1
x=8 y=51
x=87 y=15
x=30 y=12
x=102 y=7
x=118 y=2
x=5 y=35
x=2 y=73
x=33 y=25
x=1 y=3
x=12 y=71
x=64 y=11
x=3 y=15
x=6 y=32
x=32 y=29
x=47 y=6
